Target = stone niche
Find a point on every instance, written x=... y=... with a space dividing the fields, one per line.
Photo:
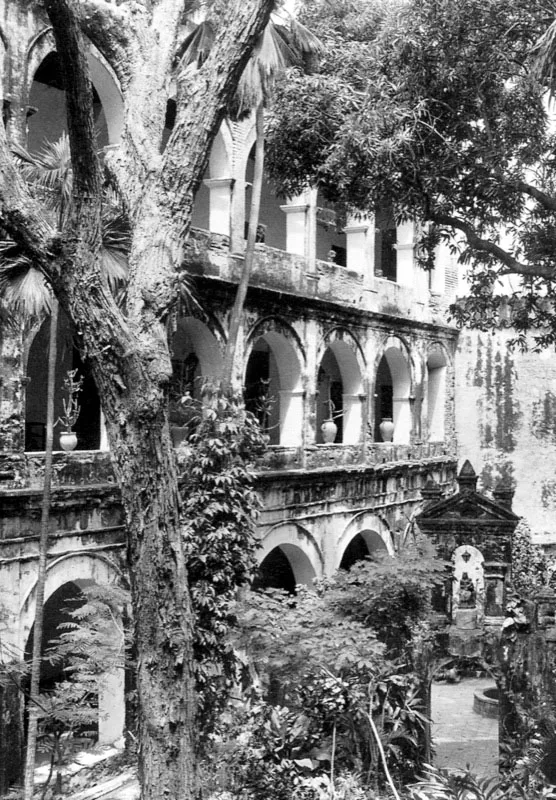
x=472 y=532
x=468 y=587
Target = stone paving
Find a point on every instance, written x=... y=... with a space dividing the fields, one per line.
x=461 y=736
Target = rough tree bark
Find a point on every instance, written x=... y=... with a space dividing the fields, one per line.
x=129 y=355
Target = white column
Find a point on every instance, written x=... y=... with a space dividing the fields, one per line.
x=291 y=418
x=402 y=420
x=352 y=416
x=405 y=246
x=357 y=245
x=104 y=445
x=220 y=201
x=296 y=227
x=111 y=707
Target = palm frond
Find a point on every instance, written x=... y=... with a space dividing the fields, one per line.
x=116 y=242
x=48 y=172
x=23 y=288
x=196 y=47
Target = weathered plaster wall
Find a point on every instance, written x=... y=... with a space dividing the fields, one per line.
x=506 y=423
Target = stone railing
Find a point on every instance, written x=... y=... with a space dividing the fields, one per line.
x=208 y=254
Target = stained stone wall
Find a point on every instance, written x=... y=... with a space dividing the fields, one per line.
x=506 y=423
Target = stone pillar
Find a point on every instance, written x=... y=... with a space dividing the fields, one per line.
x=291 y=418
x=296 y=226
x=220 y=202
x=111 y=707
x=352 y=418
x=405 y=245
x=402 y=420
x=357 y=245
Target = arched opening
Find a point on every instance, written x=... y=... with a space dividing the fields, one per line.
x=47 y=99
x=284 y=567
x=436 y=395
x=196 y=357
x=331 y=242
x=92 y=661
x=88 y=425
x=386 y=256
x=365 y=544
x=272 y=389
x=271 y=229
x=339 y=394
x=56 y=612
x=392 y=393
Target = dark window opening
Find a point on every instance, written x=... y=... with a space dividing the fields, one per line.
x=385 y=245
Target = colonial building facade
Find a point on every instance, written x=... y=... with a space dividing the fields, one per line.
x=340 y=326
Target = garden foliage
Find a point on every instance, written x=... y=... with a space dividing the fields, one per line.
x=327 y=679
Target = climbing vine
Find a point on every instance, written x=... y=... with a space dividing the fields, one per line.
x=220 y=508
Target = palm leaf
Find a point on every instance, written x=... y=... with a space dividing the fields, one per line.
x=23 y=287
x=196 y=47
x=116 y=242
x=48 y=172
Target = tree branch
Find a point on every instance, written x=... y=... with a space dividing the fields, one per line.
x=204 y=94
x=511 y=264
x=544 y=199
x=109 y=28
x=86 y=190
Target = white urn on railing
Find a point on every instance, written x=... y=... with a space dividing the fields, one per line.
x=68 y=440
x=329 y=428
x=386 y=429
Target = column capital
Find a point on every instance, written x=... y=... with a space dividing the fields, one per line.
x=214 y=183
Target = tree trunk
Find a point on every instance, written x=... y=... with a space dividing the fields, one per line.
x=243 y=285
x=33 y=709
x=126 y=368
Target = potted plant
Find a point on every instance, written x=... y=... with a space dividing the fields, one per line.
x=329 y=428
x=72 y=385
x=183 y=412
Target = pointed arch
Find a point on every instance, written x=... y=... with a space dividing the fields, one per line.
x=374 y=532
x=298 y=546
x=274 y=360
x=341 y=385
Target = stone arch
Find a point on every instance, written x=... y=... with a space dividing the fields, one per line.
x=81 y=570
x=393 y=389
x=298 y=546
x=212 y=207
x=77 y=567
x=437 y=364
x=194 y=336
x=108 y=89
x=374 y=532
x=39 y=47
x=273 y=371
x=221 y=154
x=341 y=367
x=110 y=115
